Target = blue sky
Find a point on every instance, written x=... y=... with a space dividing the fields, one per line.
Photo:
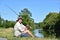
x=38 y=8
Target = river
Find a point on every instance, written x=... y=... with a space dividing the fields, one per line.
x=38 y=33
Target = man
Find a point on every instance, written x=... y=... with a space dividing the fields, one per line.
x=21 y=30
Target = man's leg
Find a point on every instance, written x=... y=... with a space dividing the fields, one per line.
x=27 y=31
x=25 y=35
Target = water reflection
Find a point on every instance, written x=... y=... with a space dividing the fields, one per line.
x=38 y=33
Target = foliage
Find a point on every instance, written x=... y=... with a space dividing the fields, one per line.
x=27 y=20
x=57 y=27
x=6 y=23
x=49 y=24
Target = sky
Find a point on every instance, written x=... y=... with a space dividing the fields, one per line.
x=38 y=8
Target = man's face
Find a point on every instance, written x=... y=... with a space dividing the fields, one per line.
x=20 y=20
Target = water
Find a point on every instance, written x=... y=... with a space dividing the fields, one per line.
x=37 y=33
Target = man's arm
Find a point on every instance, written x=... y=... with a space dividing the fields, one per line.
x=22 y=27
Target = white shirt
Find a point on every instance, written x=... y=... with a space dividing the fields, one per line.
x=18 y=27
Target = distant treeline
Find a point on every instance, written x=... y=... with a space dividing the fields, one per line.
x=50 y=25
x=6 y=23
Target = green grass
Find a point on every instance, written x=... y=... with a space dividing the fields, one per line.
x=8 y=33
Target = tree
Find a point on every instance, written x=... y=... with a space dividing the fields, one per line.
x=27 y=20
x=51 y=18
x=49 y=23
x=0 y=21
x=9 y=24
x=57 y=27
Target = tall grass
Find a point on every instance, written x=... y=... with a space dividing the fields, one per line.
x=8 y=33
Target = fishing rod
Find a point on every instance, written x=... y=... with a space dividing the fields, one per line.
x=16 y=14
x=11 y=9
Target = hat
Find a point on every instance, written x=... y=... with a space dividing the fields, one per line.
x=19 y=19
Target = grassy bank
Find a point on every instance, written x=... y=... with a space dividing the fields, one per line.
x=8 y=33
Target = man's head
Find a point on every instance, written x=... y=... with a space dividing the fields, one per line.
x=19 y=20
